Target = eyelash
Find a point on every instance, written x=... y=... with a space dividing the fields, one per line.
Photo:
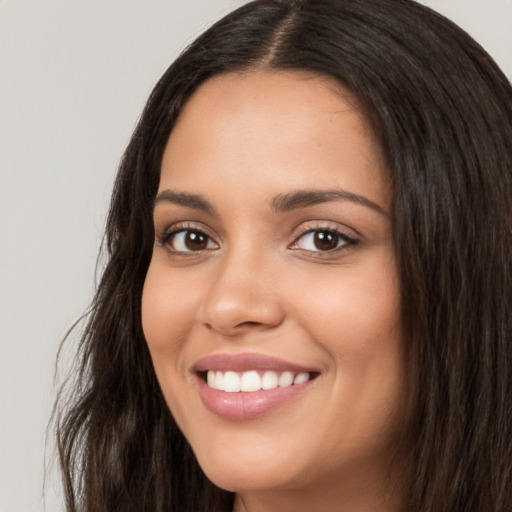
x=343 y=240
x=166 y=238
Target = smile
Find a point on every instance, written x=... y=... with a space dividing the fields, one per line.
x=247 y=386
x=253 y=380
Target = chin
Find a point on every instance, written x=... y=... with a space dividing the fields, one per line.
x=254 y=466
x=248 y=477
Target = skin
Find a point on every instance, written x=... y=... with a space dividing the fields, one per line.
x=259 y=285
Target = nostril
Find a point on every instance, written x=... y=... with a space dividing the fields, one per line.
x=232 y=309
x=238 y=327
x=248 y=324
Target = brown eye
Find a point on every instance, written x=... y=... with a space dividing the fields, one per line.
x=189 y=240
x=195 y=241
x=322 y=240
x=325 y=240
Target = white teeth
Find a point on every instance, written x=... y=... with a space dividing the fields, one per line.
x=285 y=379
x=300 y=378
x=219 y=381
x=233 y=382
x=269 y=380
x=250 y=381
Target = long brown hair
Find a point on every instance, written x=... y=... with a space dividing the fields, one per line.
x=443 y=112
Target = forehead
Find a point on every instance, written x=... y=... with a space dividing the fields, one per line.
x=305 y=129
x=278 y=97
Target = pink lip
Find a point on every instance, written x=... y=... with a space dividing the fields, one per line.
x=247 y=405
x=246 y=362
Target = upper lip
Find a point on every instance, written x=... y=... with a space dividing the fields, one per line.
x=246 y=362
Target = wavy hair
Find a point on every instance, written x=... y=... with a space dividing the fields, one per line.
x=442 y=110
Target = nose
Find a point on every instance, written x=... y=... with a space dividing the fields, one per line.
x=242 y=297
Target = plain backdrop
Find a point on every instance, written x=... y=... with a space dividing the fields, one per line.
x=74 y=76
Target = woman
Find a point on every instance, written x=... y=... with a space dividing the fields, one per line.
x=307 y=300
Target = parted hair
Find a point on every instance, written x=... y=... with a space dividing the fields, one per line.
x=442 y=111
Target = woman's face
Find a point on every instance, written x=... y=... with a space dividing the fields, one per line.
x=274 y=270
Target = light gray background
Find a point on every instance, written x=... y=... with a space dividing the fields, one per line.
x=74 y=76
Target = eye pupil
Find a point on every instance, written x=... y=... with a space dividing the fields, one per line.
x=195 y=241
x=325 y=240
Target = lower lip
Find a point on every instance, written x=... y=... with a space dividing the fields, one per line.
x=248 y=405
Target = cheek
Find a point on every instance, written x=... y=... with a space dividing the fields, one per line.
x=356 y=311
x=356 y=318
x=167 y=314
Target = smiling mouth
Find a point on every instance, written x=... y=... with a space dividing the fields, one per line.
x=254 y=380
x=246 y=386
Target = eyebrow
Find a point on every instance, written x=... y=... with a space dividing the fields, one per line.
x=305 y=198
x=279 y=204
x=194 y=201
